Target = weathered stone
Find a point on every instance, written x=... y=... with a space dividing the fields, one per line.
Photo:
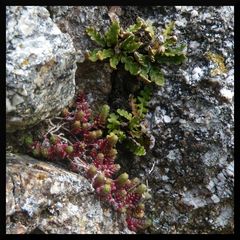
x=74 y=20
x=192 y=175
x=93 y=78
x=190 y=169
x=40 y=66
x=41 y=196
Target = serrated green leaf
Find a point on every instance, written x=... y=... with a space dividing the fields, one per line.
x=113 y=121
x=92 y=55
x=134 y=123
x=142 y=59
x=114 y=60
x=95 y=36
x=130 y=44
x=130 y=65
x=124 y=114
x=150 y=29
x=111 y=36
x=135 y=27
x=144 y=74
x=177 y=59
x=168 y=30
x=139 y=151
x=105 y=53
x=121 y=135
x=135 y=147
x=156 y=76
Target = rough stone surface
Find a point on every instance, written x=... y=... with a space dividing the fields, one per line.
x=93 y=78
x=74 y=20
x=41 y=197
x=40 y=66
x=191 y=118
x=190 y=170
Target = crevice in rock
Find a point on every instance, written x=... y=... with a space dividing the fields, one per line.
x=37 y=231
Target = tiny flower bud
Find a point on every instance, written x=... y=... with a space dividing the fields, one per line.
x=161 y=49
x=117 y=167
x=174 y=38
x=79 y=115
x=112 y=153
x=54 y=139
x=112 y=138
x=122 y=179
x=100 y=156
x=44 y=152
x=76 y=125
x=99 y=180
x=98 y=133
x=136 y=181
x=105 y=189
x=121 y=210
x=69 y=149
x=92 y=171
x=92 y=135
x=86 y=125
x=141 y=189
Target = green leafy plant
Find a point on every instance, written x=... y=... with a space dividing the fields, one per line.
x=128 y=126
x=86 y=149
x=138 y=48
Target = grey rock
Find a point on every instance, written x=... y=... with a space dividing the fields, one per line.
x=191 y=163
x=40 y=67
x=42 y=196
x=197 y=149
x=75 y=19
x=93 y=78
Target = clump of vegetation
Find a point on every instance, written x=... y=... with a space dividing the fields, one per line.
x=129 y=126
x=81 y=142
x=138 y=48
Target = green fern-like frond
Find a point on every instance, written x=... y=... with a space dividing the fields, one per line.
x=111 y=36
x=95 y=36
x=113 y=122
x=135 y=147
x=168 y=30
x=124 y=114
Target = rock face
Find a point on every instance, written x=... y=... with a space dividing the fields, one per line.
x=190 y=170
x=192 y=165
x=93 y=78
x=43 y=198
x=40 y=66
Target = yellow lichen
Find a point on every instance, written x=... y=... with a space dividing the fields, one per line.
x=25 y=62
x=219 y=61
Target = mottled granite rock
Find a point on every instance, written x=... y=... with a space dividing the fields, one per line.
x=74 y=20
x=40 y=67
x=46 y=198
x=93 y=78
x=192 y=119
x=190 y=170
